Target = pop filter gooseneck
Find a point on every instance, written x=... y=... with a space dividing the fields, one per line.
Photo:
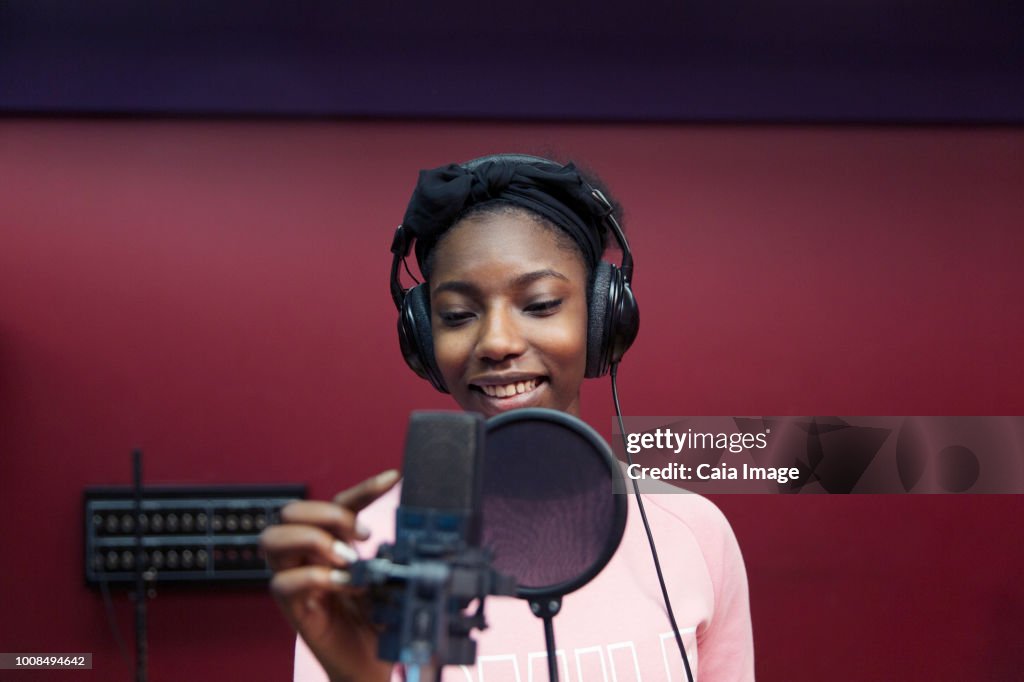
x=549 y=511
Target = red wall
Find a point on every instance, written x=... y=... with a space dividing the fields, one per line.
x=216 y=293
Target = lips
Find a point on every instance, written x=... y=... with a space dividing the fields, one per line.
x=509 y=390
x=500 y=394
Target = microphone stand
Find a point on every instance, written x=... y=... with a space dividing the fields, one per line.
x=141 y=650
x=545 y=609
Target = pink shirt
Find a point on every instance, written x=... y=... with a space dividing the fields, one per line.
x=616 y=627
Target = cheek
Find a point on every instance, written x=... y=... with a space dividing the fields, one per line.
x=451 y=352
x=567 y=346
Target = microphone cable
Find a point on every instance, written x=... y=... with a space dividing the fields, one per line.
x=647 y=528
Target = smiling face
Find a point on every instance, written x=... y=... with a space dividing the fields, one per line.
x=509 y=315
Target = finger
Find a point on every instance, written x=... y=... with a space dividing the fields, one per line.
x=303 y=592
x=362 y=494
x=288 y=546
x=333 y=518
x=305 y=581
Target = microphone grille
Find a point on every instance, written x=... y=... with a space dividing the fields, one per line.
x=443 y=461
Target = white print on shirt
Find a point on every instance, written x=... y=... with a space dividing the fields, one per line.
x=615 y=662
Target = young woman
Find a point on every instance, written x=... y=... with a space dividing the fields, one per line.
x=511 y=250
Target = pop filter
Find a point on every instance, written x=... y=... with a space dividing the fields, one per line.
x=549 y=511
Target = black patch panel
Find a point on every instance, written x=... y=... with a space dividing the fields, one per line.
x=190 y=534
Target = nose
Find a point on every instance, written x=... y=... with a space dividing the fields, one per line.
x=501 y=337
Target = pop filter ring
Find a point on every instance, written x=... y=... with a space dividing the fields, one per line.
x=512 y=418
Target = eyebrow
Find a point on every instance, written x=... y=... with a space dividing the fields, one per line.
x=470 y=289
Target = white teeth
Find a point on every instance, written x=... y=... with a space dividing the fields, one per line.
x=509 y=389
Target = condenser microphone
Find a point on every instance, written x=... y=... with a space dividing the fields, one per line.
x=442 y=479
x=421 y=585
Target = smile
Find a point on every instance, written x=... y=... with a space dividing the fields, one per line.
x=498 y=397
x=509 y=390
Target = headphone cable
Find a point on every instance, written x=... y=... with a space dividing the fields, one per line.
x=647 y=528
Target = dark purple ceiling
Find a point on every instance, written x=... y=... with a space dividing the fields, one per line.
x=710 y=60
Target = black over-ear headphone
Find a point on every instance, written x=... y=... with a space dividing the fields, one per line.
x=613 y=316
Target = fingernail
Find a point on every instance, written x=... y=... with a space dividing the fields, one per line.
x=387 y=478
x=344 y=551
x=361 y=529
x=340 y=577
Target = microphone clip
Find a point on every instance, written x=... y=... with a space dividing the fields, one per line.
x=420 y=592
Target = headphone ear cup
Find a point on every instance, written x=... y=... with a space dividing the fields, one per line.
x=597 y=320
x=624 y=322
x=613 y=322
x=415 y=336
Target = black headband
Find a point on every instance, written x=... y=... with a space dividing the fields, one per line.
x=555 y=192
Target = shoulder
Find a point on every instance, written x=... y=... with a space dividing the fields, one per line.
x=702 y=519
x=672 y=514
x=697 y=514
x=727 y=650
x=680 y=510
